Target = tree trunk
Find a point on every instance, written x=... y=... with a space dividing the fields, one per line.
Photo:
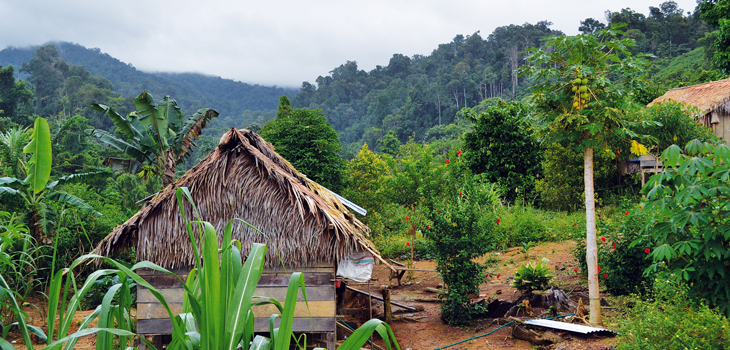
x=591 y=249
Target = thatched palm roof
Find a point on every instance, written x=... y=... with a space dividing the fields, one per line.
x=245 y=178
x=709 y=97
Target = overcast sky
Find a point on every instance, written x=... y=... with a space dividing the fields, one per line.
x=280 y=42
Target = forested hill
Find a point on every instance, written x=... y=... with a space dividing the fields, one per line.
x=191 y=90
x=420 y=96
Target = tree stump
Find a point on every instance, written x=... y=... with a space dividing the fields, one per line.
x=535 y=337
x=557 y=299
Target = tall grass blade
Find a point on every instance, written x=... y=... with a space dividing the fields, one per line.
x=238 y=309
x=211 y=324
x=296 y=280
x=361 y=335
x=85 y=323
x=260 y=343
x=106 y=320
x=19 y=314
x=84 y=332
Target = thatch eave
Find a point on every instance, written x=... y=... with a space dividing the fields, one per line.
x=306 y=222
x=708 y=97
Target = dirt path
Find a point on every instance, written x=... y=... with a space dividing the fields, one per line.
x=431 y=333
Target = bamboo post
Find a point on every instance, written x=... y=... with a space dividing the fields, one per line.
x=370 y=306
x=387 y=310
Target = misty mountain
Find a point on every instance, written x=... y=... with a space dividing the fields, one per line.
x=191 y=90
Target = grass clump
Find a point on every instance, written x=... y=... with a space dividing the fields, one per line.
x=671 y=320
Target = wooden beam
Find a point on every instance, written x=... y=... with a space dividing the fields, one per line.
x=381 y=299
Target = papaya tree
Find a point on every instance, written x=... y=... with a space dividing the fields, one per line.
x=580 y=98
x=161 y=137
x=36 y=192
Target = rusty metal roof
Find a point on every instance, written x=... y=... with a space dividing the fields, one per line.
x=567 y=326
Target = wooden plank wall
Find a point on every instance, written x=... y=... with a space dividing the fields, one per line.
x=152 y=318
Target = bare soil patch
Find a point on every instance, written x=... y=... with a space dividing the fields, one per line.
x=429 y=332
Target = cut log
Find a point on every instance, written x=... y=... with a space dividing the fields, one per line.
x=432 y=290
x=535 y=337
x=557 y=299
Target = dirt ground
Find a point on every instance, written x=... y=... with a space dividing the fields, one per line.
x=425 y=330
x=429 y=332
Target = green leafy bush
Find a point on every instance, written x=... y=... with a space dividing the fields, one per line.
x=621 y=251
x=671 y=321
x=399 y=246
x=462 y=230
x=690 y=203
x=561 y=184
x=531 y=276
x=502 y=146
x=523 y=226
x=524 y=223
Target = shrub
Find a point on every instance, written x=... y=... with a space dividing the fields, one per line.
x=462 y=230
x=531 y=276
x=397 y=246
x=621 y=257
x=502 y=146
x=691 y=204
x=671 y=321
x=524 y=223
x=561 y=184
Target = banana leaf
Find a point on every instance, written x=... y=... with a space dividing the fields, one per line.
x=39 y=165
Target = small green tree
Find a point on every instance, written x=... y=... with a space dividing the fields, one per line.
x=461 y=232
x=308 y=142
x=366 y=175
x=579 y=97
x=502 y=146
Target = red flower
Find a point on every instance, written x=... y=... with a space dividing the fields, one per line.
x=626 y=212
x=603 y=239
x=458 y=153
x=605 y=275
x=408 y=244
x=428 y=227
x=647 y=251
x=614 y=246
x=575 y=224
x=499 y=274
x=406 y=217
x=576 y=270
x=460 y=193
x=498 y=221
x=599 y=269
x=487 y=275
x=447 y=160
x=437 y=211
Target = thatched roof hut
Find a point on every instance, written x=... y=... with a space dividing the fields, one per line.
x=713 y=100
x=245 y=178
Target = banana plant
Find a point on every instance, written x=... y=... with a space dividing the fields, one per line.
x=11 y=150
x=161 y=137
x=36 y=190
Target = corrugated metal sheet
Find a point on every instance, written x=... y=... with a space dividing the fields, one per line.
x=358 y=209
x=567 y=326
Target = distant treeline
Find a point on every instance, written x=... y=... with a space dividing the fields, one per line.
x=412 y=95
